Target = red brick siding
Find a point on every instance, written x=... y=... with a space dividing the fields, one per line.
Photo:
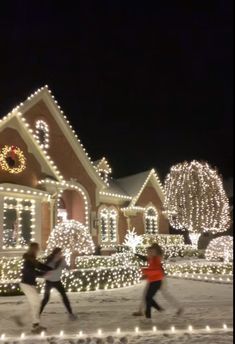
x=74 y=204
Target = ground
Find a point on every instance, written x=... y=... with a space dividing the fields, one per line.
x=205 y=304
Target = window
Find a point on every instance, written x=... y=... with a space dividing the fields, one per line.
x=151 y=220
x=108 y=225
x=18 y=222
x=42 y=134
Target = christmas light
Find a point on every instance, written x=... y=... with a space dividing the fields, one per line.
x=111 y=334
x=132 y=240
x=220 y=248
x=6 y=153
x=72 y=237
x=108 y=225
x=14 y=233
x=151 y=220
x=42 y=134
x=195 y=199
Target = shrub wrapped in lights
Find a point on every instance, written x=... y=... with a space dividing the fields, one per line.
x=91 y=273
x=163 y=239
x=220 y=249
x=72 y=237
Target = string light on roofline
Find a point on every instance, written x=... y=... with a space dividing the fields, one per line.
x=42 y=89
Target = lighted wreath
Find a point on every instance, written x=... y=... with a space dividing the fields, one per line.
x=12 y=160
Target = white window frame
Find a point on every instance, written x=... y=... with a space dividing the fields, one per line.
x=108 y=213
x=42 y=125
x=19 y=207
x=153 y=229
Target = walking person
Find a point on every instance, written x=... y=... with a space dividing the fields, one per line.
x=57 y=262
x=164 y=291
x=154 y=275
x=32 y=269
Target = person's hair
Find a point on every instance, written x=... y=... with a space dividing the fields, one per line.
x=51 y=256
x=31 y=254
x=158 y=249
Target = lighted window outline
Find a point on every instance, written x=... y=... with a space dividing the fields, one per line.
x=19 y=207
x=42 y=126
x=151 y=220
x=107 y=216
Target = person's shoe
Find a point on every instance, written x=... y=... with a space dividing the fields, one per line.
x=161 y=310
x=138 y=314
x=18 y=320
x=180 y=311
x=38 y=329
x=73 y=317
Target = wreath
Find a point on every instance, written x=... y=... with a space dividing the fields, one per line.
x=12 y=160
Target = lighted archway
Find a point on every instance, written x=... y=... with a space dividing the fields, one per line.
x=73 y=204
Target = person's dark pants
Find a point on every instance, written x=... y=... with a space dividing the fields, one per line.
x=58 y=286
x=150 y=302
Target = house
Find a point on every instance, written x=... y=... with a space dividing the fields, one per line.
x=46 y=176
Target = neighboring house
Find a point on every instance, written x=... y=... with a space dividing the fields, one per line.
x=46 y=176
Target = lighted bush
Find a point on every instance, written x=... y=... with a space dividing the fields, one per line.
x=220 y=249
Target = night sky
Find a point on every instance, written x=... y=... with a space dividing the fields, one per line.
x=146 y=84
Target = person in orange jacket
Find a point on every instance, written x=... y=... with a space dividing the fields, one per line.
x=164 y=289
x=154 y=275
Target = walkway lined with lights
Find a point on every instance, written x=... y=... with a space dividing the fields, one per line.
x=102 y=314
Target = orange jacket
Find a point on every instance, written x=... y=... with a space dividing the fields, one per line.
x=154 y=271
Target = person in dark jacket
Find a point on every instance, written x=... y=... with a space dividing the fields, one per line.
x=32 y=269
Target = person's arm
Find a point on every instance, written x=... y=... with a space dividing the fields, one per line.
x=64 y=265
x=29 y=269
x=42 y=267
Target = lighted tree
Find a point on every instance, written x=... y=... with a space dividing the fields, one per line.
x=132 y=240
x=195 y=199
x=72 y=237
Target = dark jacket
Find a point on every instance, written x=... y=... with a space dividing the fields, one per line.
x=32 y=269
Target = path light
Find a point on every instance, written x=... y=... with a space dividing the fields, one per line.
x=172 y=328
x=99 y=332
x=118 y=330
x=61 y=333
x=225 y=327
x=137 y=330
x=190 y=328
x=208 y=328
x=154 y=329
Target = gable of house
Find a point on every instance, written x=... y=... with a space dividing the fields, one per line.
x=63 y=146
